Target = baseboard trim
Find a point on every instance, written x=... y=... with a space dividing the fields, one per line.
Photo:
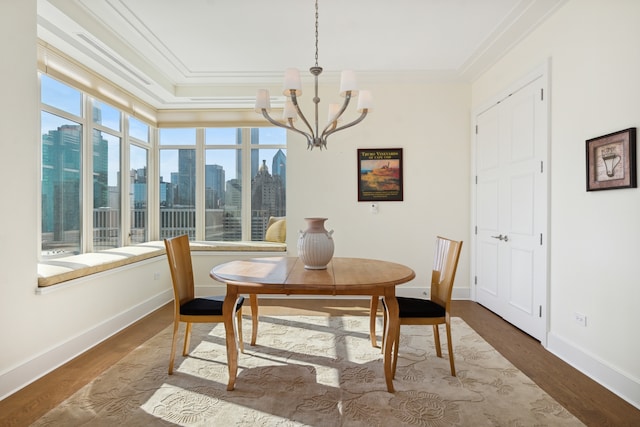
x=624 y=386
x=17 y=378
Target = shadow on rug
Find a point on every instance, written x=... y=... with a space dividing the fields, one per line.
x=315 y=371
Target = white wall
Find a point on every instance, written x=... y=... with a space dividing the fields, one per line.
x=19 y=176
x=595 y=237
x=430 y=122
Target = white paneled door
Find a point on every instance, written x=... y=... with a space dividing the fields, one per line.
x=511 y=208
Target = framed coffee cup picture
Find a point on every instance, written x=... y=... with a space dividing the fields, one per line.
x=611 y=161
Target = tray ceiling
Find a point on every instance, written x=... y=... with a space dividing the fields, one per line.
x=216 y=53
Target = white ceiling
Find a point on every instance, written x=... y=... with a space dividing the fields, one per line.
x=216 y=53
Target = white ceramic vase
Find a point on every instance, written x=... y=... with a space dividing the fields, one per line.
x=315 y=245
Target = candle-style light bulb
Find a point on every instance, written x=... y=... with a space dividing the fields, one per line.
x=292 y=81
x=263 y=101
x=365 y=101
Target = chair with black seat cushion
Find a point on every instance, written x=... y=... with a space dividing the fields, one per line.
x=188 y=308
x=436 y=310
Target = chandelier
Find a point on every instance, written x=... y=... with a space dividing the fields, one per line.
x=293 y=89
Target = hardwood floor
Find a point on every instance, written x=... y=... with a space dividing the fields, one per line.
x=586 y=399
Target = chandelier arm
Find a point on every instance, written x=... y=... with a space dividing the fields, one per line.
x=331 y=126
x=294 y=101
x=290 y=126
x=306 y=135
x=275 y=122
x=348 y=125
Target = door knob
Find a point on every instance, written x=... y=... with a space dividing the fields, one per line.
x=501 y=237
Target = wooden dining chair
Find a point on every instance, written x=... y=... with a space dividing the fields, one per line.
x=434 y=311
x=188 y=308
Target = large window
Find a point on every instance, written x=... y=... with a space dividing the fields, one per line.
x=223 y=184
x=83 y=159
x=61 y=176
x=268 y=178
x=202 y=183
x=177 y=183
x=215 y=184
x=107 y=191
x=138 y=182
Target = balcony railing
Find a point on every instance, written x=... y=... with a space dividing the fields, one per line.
x=220 y=225
x=177 y=221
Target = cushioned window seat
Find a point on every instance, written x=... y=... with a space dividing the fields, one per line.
x=54 y=271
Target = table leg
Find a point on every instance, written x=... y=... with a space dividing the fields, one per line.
x=391 y=334
x=372 y=320
x=228 y=312
x=254 y=318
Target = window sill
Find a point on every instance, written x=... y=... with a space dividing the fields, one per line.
x=52 y=272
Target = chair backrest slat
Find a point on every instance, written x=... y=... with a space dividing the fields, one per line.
x=445 y=264
x=179 y=257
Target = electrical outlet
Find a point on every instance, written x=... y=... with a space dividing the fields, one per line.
x=156 y=276
x=580 y=318
x=374 y=208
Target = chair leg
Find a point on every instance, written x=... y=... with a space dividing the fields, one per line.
x=450 y=347
x=172 y=357
x=254 y=318
x=436 y=339
x=187 y=339
x=373 y=313
x=239 y=320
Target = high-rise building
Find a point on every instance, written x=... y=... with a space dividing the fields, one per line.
x=138 y=180
x=186 y=177
x=214 y=178
x=101 y=198
x=232 y=224
x=279 y=167
x=61 y=154
x=233 y=195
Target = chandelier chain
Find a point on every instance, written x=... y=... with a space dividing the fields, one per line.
x=316 y=33
x=292 y=111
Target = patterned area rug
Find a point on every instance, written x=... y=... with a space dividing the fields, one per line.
x=313 y=371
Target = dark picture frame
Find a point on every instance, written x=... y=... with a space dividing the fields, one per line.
x=380 y=175
x=611 y=161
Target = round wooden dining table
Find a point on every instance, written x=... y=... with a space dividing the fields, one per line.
x=287 y=276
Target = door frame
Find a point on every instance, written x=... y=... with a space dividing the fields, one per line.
x=543 y=72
